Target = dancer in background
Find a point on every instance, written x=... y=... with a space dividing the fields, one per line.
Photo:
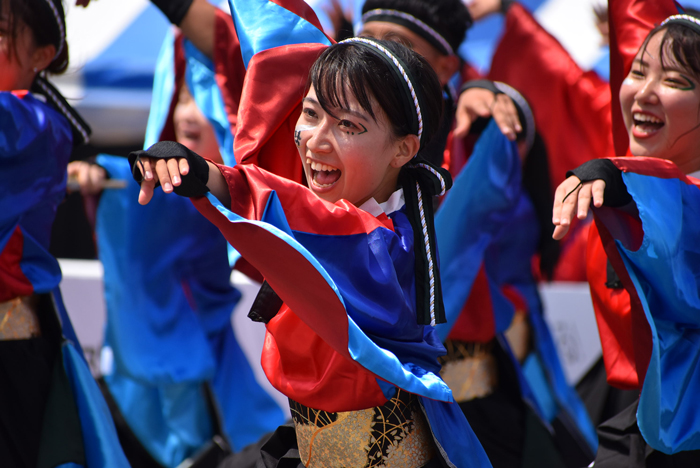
x=177 y=374
x=502 y=363
x=52 y=412
x=435 y=29
x=645 y=236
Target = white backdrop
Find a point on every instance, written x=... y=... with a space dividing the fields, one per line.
x=568 y=311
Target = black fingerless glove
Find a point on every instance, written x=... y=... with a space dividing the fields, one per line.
x=194 y=183
x=616 y=194
x=175 y=10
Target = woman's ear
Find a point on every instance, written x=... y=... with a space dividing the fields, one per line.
x=43 y=56
x=407 y=148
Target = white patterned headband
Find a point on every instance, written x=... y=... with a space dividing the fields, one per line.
x=396 y=66
x=686 y=20
x=412 y=23
x=61 y=27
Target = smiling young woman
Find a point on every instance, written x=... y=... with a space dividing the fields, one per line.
x=645 y=239
x=47 y=391
x=660 y=98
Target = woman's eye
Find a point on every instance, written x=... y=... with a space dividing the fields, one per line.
x=347 y=124
x=636 y=74
x=310 y=113
x=680 y=82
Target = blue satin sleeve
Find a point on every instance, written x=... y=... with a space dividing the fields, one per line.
x=477 y=208
x=375 y=273
x=35 y=144
x=166 y=289
x=665 y=270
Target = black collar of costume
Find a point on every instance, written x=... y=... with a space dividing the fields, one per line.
x=81 y=130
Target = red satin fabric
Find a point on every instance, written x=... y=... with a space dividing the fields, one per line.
x=572 y=259
x=13 y=282
x=571 y=107
x=228 y=65
x=246 y=97
x=476 y=321
x=614 y=316
x=302 y=10
x=329 y=381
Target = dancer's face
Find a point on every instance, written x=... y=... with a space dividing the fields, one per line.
x=11 y=63
x=445 y=66
x=661 y=108
x=192 y=128
x=350 y=156
x=19 y=55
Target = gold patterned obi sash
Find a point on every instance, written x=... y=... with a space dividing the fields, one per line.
x=470 y=369
x=394 y=435
x=18 y=319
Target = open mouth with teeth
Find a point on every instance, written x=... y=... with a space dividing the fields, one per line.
x=645 y=123
x=323 y=175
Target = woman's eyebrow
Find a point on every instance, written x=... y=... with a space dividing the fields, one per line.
x=358 y=114
x=678 y=70
x=310 y=100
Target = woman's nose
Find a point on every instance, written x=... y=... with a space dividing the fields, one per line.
x=647 y=92
x=319 y=140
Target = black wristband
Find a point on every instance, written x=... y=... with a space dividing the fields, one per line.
x=484 y=84
x=505 y=5
x=616 y=194
x=194 y=183
x=175 y=10
x=480 y=123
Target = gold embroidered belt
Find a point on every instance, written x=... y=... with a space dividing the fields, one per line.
x=394 y=435
x=519 y=337
x=469 y=369
x=18 y=319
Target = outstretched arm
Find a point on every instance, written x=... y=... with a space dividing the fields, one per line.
x=177 y=169
x=599 y=182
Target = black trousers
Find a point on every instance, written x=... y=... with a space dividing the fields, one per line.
x=39 y=422
x=622 y=445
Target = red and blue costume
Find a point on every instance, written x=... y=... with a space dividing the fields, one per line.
x=35 y=144
x=347 y=335
x=647 y=330
x=487 y=275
